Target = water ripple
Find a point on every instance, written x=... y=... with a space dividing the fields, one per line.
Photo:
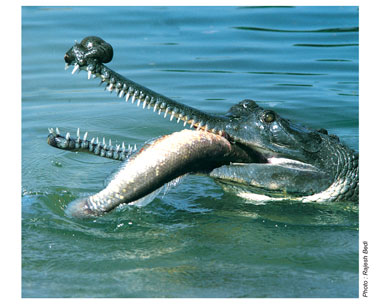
x=196 y=71
x=287 y=73
x=327 y=30
x=249 y=72
x=325 y=45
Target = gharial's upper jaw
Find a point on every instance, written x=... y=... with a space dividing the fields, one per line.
x=92 y=52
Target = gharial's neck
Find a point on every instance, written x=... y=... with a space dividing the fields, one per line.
x=342 y=164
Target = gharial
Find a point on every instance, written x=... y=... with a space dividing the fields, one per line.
x=248 y=148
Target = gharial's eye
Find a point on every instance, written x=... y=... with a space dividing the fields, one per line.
x=269 y=117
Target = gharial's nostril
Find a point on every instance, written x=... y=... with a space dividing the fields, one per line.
x=66 y=58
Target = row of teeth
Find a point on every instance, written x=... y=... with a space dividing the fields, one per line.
x=147 y=101
x=120 y=152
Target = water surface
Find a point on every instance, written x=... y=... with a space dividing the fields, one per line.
x=196 y=240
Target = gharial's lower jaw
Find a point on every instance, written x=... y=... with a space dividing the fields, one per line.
x=150 y=168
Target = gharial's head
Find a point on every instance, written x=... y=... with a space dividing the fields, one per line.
x=268 y=134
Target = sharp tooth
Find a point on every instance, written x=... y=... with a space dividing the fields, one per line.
x=121 y=94
x=184 y=124
x=85 y=136
x=138 y=102
x=92 y=140
x=123 y=147
x=192 y=123
x=89 y=74
x=144 y=104
x=117 y=148
x=135 y=148
x=155 y=107
x=171 y=116
x=57 y=131
x=110 y=142
x=141 y=97
x=151 y=102
x=67 y=136
x=179 y=118
x=133 y=98
x=127 y=97
x=104 y=141
x=50 y=130
x=78 y=133
x=199 y=126
x=110 y=87
x=97 y=140
x=76 y=67
x=166 y=112
x=66 y=66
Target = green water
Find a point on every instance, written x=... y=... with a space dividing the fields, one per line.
x=195 y=240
